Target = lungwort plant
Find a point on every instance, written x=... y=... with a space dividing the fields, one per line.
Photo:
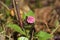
x=26 y=32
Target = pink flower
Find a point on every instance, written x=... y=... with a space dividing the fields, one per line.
x=30 y=19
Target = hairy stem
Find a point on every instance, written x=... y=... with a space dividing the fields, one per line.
x=17 y=11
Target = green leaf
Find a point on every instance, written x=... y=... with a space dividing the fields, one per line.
x=28 y=27
x=16 y=28
x=23 y=38
x=7 y=12
x=7 y=2
x=30 y=13
x=43 y=35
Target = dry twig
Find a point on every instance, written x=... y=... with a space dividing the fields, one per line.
x=4 y=5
